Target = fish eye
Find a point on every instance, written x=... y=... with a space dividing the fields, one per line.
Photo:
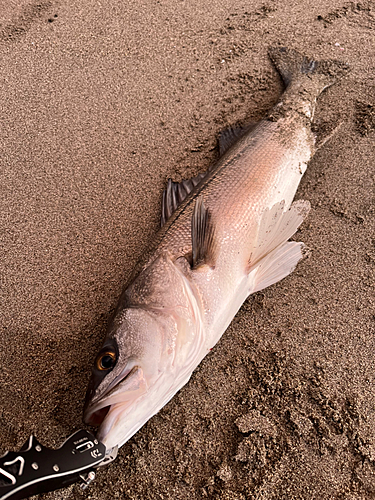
x=105 y=360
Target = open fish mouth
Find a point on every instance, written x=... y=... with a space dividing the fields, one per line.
x=124 y=389
x=96 y=418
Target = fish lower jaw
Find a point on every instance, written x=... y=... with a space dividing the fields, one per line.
x=107 y=431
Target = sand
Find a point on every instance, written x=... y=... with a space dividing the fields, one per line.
x=102 y=102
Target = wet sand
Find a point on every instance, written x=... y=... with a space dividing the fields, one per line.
x=102 y=102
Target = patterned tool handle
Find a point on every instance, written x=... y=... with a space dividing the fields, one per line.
x=37 y=469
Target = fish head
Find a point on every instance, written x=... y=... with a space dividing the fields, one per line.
x=126 y=365
x=149 y=352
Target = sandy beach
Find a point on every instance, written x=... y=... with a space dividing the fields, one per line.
x=101 y=103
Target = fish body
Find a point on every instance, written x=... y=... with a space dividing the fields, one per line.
x=224 y=236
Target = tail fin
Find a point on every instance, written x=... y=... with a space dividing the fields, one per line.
x=291 y=65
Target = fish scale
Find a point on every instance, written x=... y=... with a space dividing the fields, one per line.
x=226 y=237
x=249 y=178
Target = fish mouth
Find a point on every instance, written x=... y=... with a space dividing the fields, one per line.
x=97 y=417
x=124 y=389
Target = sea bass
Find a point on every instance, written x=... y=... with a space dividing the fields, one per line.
x=224 y=236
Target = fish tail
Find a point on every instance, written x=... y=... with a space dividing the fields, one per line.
x=291 y=65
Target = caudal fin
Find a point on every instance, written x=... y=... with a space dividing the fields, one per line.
x=291 y=65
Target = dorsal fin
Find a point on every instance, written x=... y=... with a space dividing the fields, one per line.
x=232 y=134
x=202 y=235
x=175 y=194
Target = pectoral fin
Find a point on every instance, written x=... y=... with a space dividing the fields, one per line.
x=202 y=235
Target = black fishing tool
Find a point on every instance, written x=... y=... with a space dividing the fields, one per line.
x=37 y=469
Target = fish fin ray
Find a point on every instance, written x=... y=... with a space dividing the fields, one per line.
x=276 y=227
x=229 y=136
x=278 y=264
x=175 y=194
x=202 y=235
x=291 y=64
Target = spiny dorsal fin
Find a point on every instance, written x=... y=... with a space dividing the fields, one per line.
x=175 y=194
x=232 y=134
x=202 y=235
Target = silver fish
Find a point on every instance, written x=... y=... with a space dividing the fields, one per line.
x=224 y=236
